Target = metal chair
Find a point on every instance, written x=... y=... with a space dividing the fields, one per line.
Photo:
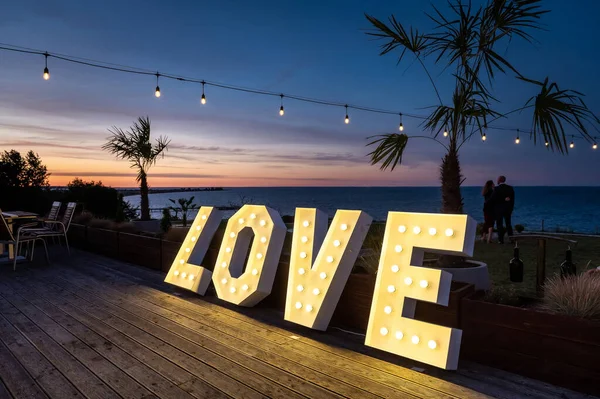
x=55 y=228
x=23 y=237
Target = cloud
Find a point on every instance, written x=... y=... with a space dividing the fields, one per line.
x=119 y=174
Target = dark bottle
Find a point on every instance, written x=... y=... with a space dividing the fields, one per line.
x=516 y=267
x=567 y=268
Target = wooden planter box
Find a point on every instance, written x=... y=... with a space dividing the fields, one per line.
x=105 y=242
x=77 y=235
x=169 y=251
x=355 y=304
x=140 y=250
x=558 y=349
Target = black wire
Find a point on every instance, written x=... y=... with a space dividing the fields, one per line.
x=140 y=71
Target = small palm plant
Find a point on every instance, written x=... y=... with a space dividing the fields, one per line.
x=185 y=205
x=467 y=40
x=135 y=146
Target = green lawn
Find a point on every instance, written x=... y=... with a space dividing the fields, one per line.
x=497 y=257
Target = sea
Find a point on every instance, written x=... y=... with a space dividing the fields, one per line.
x=552 y=209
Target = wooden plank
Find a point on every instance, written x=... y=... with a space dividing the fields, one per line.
x=82 y=378
x=177 y=375
x=377 y=382
x=43 y=372
x=151 y=324
x=118 y=378
x=497 y=390
x=4 y=394
x=18 y=381
x=179 y=357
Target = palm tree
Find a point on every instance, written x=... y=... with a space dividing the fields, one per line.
x=465 y=40
x=135 y=146
x=185 y=205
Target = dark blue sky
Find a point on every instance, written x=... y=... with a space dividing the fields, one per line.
x=309 y=48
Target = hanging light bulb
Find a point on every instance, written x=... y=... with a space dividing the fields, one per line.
x=483 y=137
x=46 y=74
x=572 y=145
x=347 y=119
x=203 y=98
x=546 y=143
x=157 y=92
x=445 y=132
x=594 y=146
x=401 y=126
x=517 y=140
x=281 y=111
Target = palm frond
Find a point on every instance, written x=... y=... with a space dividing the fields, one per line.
x=396 y=36
x=553 y=108
x=389 y=150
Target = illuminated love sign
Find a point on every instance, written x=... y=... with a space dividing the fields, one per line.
x=321 y=261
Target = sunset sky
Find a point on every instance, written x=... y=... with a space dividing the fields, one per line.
x=315 y=49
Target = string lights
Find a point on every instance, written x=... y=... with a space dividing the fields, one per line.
x=157 y=92
x=46 y=74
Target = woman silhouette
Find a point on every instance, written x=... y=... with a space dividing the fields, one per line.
x=488 y=211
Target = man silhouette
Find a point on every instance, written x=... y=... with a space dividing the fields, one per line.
x=503 y=200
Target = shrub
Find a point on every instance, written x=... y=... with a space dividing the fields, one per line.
x=95 y=197
x=574 y=296
x=519 y=228
x=368 y=259
x=503 y=295
x=165 y=221
x=176 y=234
x=102 y=224
x=83 y=218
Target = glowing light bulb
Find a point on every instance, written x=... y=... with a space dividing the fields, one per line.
x=157 y=92
x=344 y=227
x=198 y=228
x=594 y=146
x=401 y=229
x=187 y=250
x=176 y=272
x=254 y=272
x=263 y=223
x=203 y=217
x=445 y=133
x=184 y=274
x=415 y=340
x=408 y=281
x=329 y=259
x=323 y=275
x=423 y=283
x=449 y=232
x=336 y=243
x=303 y=255
x=300 y=288
x=47 y=76
x=232 y=289
x=241 y=220
x=263 y=239
x=304 y=239
x=232 y=234
x=191 y=277
x=227 y=249
x=252 y=216
x=416 y=229
x=245 y=287
x=483 y=137
x=432 y=231
x=224 y=264
x=347 y=119
x=259 y=256
x=301 y=271
x=193 y=239
x=306 y=223
x=181 y=261
x=387 y=309
x=432 y=344
x=383 y=331
x=298 y=305
x=203 y=99
x=316 y=291
x=517 y=140
x=281 y=111
x=224 y=281
x=395 y=268
x=308 y=308
x=547 y=143
x=391 y=288
x=398 y=248
x=399 y=335
x=401 y=127
x=572 y=145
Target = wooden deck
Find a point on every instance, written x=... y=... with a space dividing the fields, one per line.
x=92 y=327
